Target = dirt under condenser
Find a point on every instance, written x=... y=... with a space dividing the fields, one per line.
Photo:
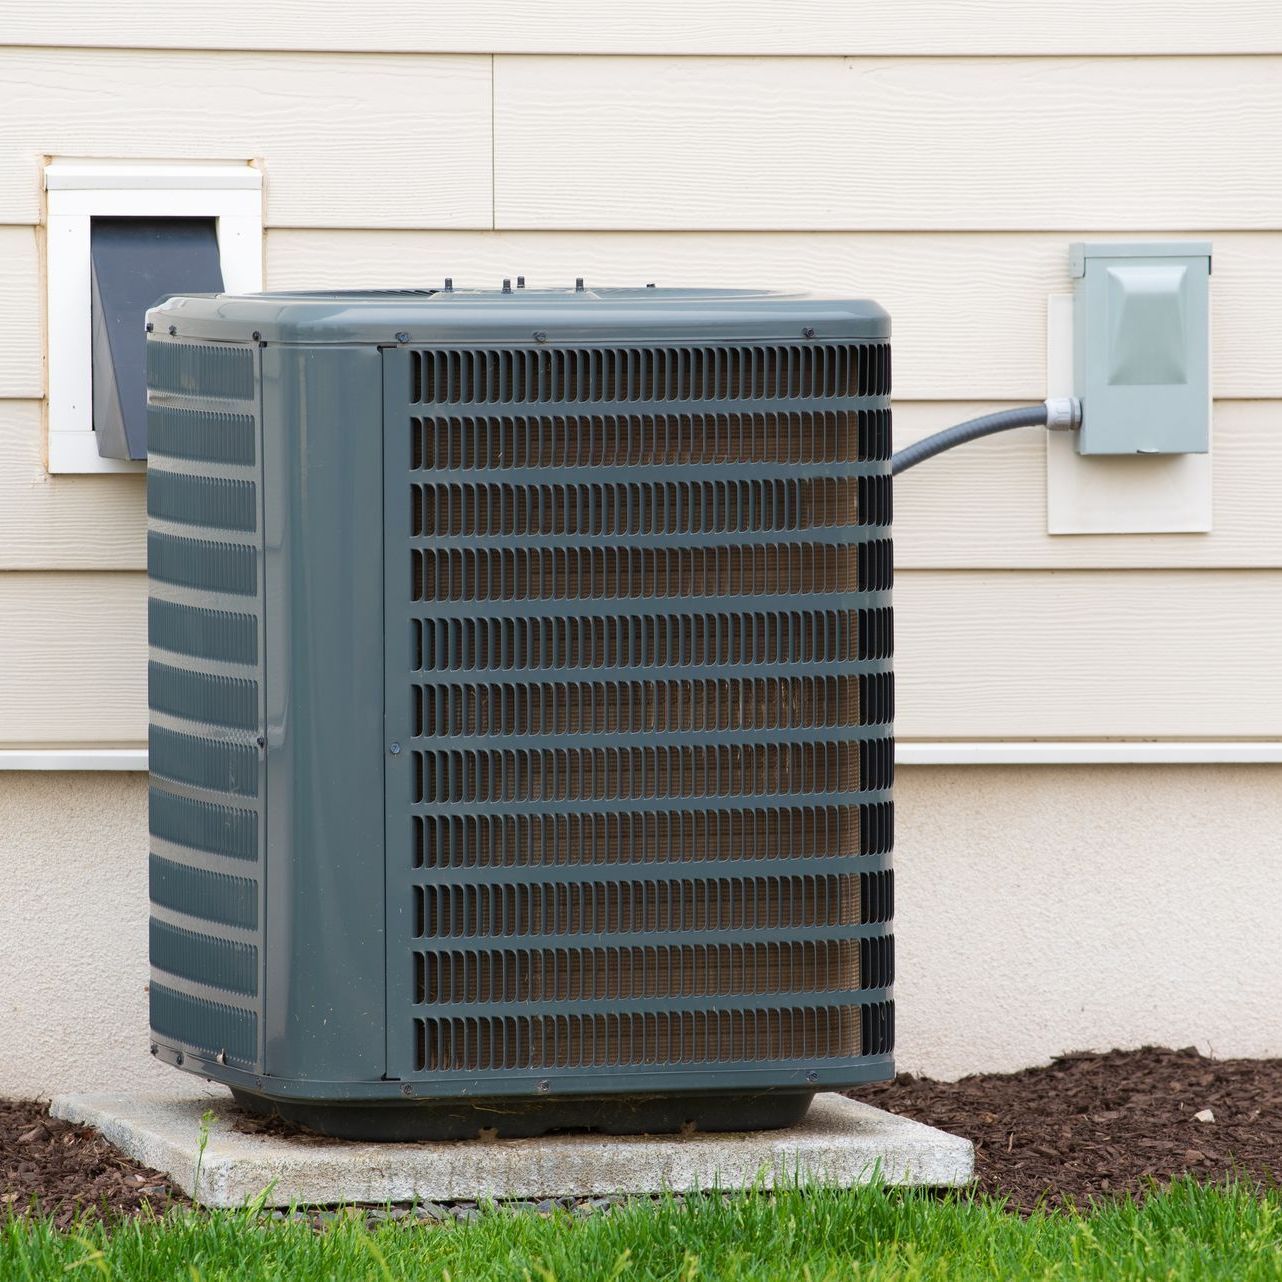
x=1094 y=1126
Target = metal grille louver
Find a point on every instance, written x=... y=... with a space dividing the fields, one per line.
x=721 y=373
x=506 y=441
x=647 y=696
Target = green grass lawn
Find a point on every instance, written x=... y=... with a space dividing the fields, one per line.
x=1187 y=1232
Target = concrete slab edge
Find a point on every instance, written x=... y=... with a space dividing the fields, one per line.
x=162 y=1148
x=841 y=1141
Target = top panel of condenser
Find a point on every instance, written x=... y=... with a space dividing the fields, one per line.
x=426 y=317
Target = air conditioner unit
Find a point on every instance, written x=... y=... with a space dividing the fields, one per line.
x=521 y=705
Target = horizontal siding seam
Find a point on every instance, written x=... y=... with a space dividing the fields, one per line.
x=482 y=50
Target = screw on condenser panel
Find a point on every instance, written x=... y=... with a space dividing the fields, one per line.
x=394 y=749
x=178 y=1059
x=402 y=336
x=540 y=336
x=256 y=335
x=544 y=1086
x=812 y=1076
x=449 y=284
x=507 y=284
x=650 y=285
x=807 y=332
x=173 y=329
x=407 y=1089
x=578 y=284
x=261 y=742
x=520 y=282
x=150 y=327
x=155 y=1050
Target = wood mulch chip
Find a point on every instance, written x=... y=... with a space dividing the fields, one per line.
x=63 y=1170
x=1093 y=1126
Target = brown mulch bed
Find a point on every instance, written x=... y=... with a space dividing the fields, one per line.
x=1099 y=1125
x=64 y=1169
x=1088 y=1126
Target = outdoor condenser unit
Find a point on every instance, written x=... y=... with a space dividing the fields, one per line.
x=521 y=705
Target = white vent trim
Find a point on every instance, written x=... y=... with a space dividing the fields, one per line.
x=76 y=191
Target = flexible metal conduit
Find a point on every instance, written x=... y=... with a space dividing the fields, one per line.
x=1060 y=414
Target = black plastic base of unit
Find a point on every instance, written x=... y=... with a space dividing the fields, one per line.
x=520 y=1118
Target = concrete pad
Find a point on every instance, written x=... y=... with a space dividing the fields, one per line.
x=839 y=1142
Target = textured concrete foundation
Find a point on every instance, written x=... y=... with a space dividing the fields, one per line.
x=840 y=1141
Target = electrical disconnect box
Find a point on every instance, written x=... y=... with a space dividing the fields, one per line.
x=1141 y=346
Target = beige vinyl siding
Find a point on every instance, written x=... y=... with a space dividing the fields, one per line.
x=21 y=311
x=946 y=187
x=347 y=141
x=1071 y=144
x=1079 y=654
x=980 y=655
x=763 y=27
x=617 y=142
x=73 y=659
x=62 y=522
x=983 y=507
x=968 y=309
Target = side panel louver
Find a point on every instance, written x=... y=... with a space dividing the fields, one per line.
x=639 y=643
x=205 y=681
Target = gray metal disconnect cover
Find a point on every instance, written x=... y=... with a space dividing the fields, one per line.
x=590 y=315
